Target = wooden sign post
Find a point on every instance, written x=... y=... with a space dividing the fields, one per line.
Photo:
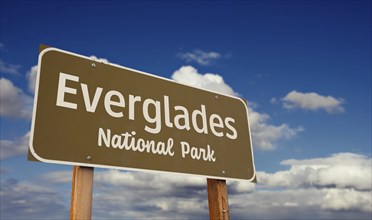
x=82 y=191
x=218 y=200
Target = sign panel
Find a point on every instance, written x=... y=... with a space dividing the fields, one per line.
x=91 y=113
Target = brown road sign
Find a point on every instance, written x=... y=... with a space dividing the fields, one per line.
x=92 y=113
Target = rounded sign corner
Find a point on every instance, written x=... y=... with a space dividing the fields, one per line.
x=46 y=50
x=253 y=179
x=33 y=152
x=244 y=101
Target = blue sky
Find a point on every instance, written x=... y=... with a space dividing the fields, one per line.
x=303 y=66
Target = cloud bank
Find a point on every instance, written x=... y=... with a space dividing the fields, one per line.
x=341 y=170
x=309 y=189
x=14 y=148
x=27 y=200
x=31 y=77
x=8 y=68
x=14 y=102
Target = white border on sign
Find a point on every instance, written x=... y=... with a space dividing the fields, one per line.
x=116 y=167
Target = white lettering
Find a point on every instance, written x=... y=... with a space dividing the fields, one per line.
x=115 y=141
x=185 y=148
x=129 y=142
x=184 y=117
x=91 y=106
x=109 y=102
x=168 y=123
x=156 y=119
x=62 y=89
x=197 y=153
x=155 y=114
x=106 y=138
x=218 y=124
x=132 y=100
x=234 y=134
x=202 y=114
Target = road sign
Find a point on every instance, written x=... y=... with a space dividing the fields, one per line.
x=92 y=113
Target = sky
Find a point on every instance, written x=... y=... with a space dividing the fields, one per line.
x=303 y=66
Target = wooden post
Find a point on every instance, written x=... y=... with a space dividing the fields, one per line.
x=217 y=200
x=82 y=190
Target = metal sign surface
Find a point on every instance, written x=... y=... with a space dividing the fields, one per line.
x=91 y=113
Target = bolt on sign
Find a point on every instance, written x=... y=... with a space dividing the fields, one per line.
x=92 y=113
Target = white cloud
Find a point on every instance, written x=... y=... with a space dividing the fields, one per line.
x=237 y=187
x=14 y=103
x=265 y=204
x=309 y=203
x=274 y=101
x=188 y=75
x=336 y=187
x=26 y=200
x=103 y=60
x=137 y=195
x=264 y=135
x=312 y=101
x=57 y=177
x=140 y=179
x=31 y=77
x=142 y=195
x=342 y=170
x=200 y=57
x=9 y=68
x=346 y=199
x=14 y=148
